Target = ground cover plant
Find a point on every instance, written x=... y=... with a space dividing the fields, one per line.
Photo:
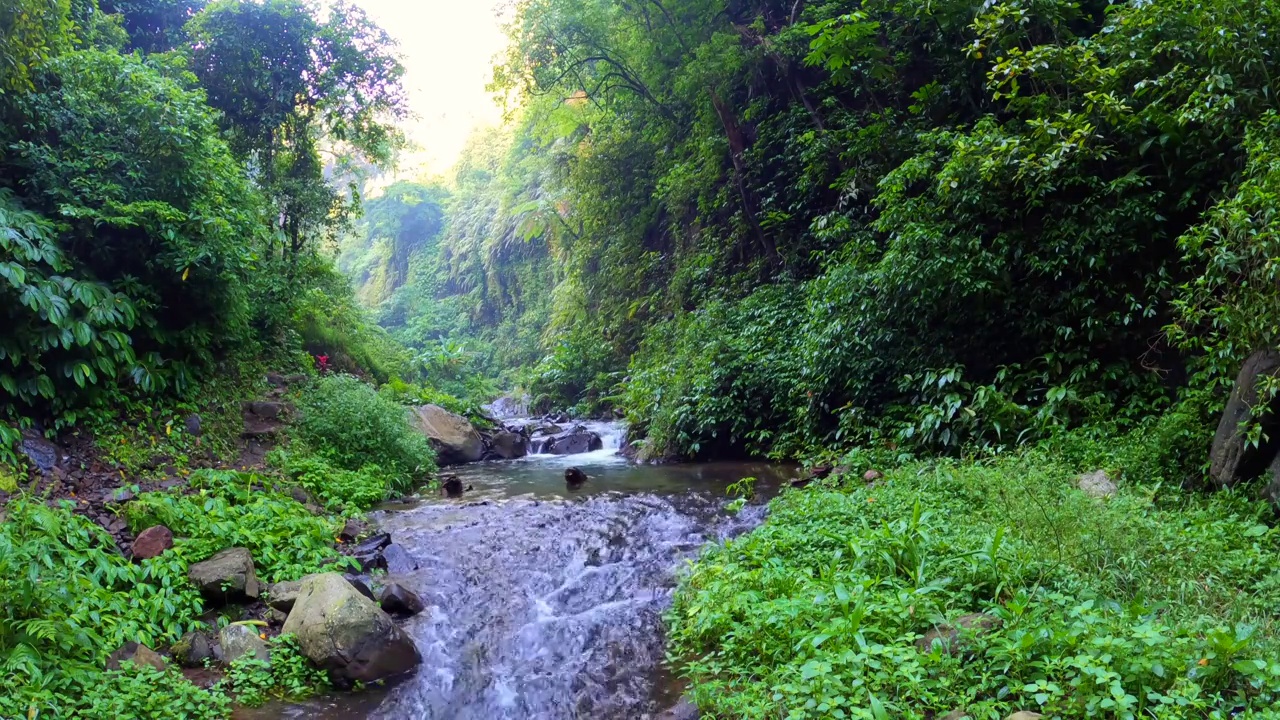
x=1156 y=602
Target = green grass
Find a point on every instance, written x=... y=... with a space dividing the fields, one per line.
x=1156 y=603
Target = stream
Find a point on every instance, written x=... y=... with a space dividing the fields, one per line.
x=545 y=603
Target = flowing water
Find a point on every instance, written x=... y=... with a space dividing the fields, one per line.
x=545 y=603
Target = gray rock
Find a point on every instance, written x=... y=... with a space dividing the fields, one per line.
x=240 y=640
x=400 y=601
x=282 y=595
x=265 y=409
x=509 y=445
x=1096 y=484
x=117 y=495
x=42 y=453
x=368 y=553
x=193 y=425
x=192 y=650
x=398 y=560
x=347 y=634
x=574 y=442
x=456 y=440
x=352 y=529
x=1232 y=459
x=1025 y=715
x=137 y=654
x=360 y=584
x=226 y=577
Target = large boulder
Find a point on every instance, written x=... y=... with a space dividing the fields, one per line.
x=346 y=633
x=1233 y=458
x=226 y=577
x=509 y=406
x=574 y=442
x=454 y=437
x=509 y=446
x=240 y=640
x=398 y=560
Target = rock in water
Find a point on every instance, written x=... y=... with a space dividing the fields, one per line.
x=137 y=654
x=400 y=601
x=226 y=577
x=399 y=561
x=1233 y=459
x=346 y=633
x=1096 y=484
x=240 y=640
x=455 y=438
x=574 y=478
x=509 y=446
x=452 y=486
x=152 y=542
x=574 y=442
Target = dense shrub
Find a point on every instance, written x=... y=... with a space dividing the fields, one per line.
x=148 y=199
x=334 y=487
x=353 y=426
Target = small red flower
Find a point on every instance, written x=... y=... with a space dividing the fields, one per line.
x=322 y=362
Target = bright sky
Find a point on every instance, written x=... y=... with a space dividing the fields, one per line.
x=447 y=48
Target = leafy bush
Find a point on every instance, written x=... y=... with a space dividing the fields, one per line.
x=231 y=509
x=335 y=487
x=149 y=201
x=1152 y=603
x=288 y=676
x=353 y=426
x=68 y=599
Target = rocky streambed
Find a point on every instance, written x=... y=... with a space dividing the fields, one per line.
x=546 y=602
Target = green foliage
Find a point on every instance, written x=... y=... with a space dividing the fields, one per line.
x=230 y=509
x=69 y=598
x=1152 y=603
x=577 y=373
x=940 y=226
x=335 y=487
x=64 y=334
x=285 y=77
x=355 y=428
x=31 y=31
x=147 y=694
x=287 y=676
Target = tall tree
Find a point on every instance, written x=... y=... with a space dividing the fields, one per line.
x=292 y=81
